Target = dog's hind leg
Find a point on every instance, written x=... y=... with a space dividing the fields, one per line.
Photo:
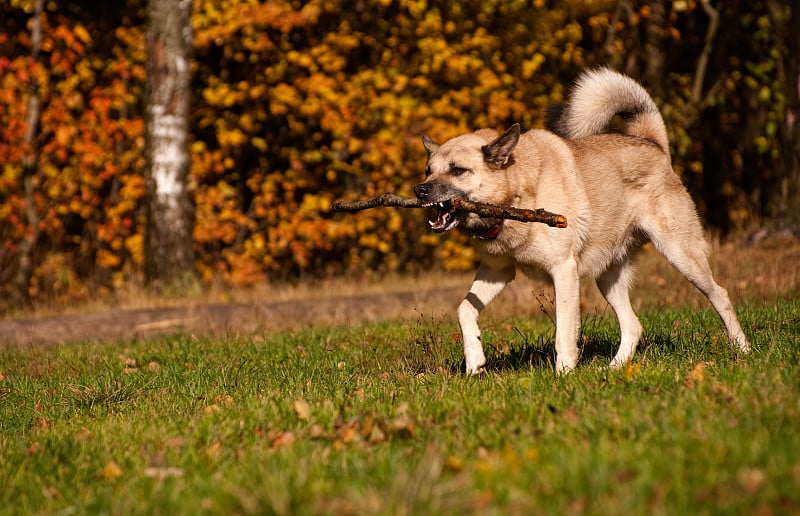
x=685 y=248
x=488 y=283
x=614 y=284
x=693 y=264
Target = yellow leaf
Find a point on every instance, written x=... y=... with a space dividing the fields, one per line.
x=697 y=374
x=259 y=143
x=454 y=463
x=631 y=370
x=82 y=34
x=112 y=470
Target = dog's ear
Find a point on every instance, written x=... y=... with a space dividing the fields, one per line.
x=498 y=153
x=429 y=144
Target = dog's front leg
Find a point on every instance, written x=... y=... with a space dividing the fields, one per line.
x=488 y=283
x=566 y=283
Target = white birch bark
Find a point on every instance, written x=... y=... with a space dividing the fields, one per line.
x=169 y=233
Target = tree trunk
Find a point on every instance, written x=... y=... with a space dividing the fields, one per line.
x=654 y=50
x=168 y=245
x=790 y=197
x=25 y=263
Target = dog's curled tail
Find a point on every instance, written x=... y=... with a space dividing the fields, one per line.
x=597 y=97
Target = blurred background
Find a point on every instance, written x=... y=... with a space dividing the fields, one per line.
x=293 y=105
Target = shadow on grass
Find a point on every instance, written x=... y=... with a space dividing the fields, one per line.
x=598 y=343
x=525 y=345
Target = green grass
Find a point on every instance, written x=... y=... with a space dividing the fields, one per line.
x=378 y=419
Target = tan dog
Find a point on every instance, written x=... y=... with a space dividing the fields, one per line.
x=617 y=192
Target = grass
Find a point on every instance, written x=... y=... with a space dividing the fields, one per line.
x=378 y=419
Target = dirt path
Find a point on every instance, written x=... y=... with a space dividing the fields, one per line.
x=219 y=318
x=757 y=273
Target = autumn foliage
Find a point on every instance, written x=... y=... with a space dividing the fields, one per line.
x=298 y=104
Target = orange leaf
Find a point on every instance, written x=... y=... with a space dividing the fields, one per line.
x=281 y=439
x=112 y=470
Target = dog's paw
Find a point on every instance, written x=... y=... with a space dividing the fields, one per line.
x=475 y=367
x=475 y=371
x=565 y=366
x=744 y=346
x=617 y=363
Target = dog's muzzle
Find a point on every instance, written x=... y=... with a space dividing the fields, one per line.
x=434 y=197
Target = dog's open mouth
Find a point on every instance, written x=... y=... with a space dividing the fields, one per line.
x=445 y=219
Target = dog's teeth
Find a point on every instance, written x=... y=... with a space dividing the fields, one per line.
x=431 y=223
x=441 y=204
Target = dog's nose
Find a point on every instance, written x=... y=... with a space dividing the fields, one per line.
x=422 y=190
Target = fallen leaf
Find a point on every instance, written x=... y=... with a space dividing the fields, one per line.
x=302 y=409
x=723 y=392
x=33 y=448
x=211 y=409
x=403 y=426
x=224 y=400
x=281 y=439
x=752 y=480
x=162 y=473
x=214 y=450
x=697 y=374
x=454 y=463
x=376 y=435
x=349 y=433
x=571 y=416
x=367 y=425
x=631 y=370
x=51 y=492
x=112 y=470
x=127 y=361
x=317 y=432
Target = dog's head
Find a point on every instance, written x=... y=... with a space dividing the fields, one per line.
x=468 y=167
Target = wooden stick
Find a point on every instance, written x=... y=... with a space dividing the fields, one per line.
x=458 y=204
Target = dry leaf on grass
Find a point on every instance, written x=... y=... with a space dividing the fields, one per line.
x=302 y=409
x=632 y=370
x=697 y=375
x=162 y=473
x=280 y=439
x=214 y=450
x=112 y=470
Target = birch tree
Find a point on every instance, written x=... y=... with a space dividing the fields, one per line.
x=168 y=245
x=22 y=279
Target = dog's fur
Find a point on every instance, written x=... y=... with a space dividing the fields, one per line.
x=617 y=192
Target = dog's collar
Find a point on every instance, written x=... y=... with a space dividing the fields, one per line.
x=493 y=231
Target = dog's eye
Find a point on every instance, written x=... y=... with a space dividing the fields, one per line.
x=457 y=171
x=427 y=171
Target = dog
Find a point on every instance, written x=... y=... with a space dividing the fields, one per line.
x=617 y=191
